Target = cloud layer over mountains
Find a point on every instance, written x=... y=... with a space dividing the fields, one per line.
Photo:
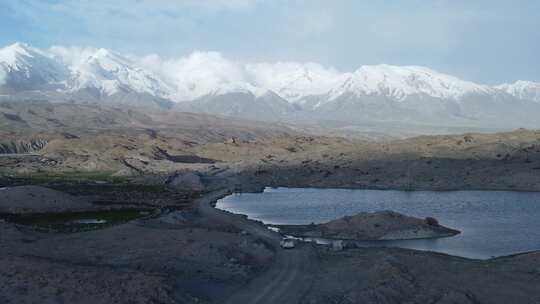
x=209 y=82
x=203 y=73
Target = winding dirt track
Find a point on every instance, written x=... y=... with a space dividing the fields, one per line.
x=287 y=280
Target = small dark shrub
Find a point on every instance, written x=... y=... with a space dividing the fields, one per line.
x=13 y=117
x=432 y=221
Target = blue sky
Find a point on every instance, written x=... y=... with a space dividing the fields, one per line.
x=484 y=41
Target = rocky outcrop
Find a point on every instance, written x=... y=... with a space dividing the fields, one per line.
x=160 y=154
x=22 y=146
x=185 y=180
x=383 y=225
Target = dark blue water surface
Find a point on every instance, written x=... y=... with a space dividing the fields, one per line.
x=493 y=223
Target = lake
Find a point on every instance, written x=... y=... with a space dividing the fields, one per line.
x=493 y=223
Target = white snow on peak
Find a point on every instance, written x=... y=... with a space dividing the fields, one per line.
x=12 y=54
x=399 y=82
x=209 y=73
x=108 y=72
x=239 y=87
x=294 y=81
x=30 y=63
x=522 y=89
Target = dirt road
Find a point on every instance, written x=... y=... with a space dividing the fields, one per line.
x=285 y=282
x=290 y=276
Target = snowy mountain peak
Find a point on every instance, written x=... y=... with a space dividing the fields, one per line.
x=99 y=73
x=294 y=81
x=210 y=83
x=108 y=57
x=19 y=55
x=101 y=52
x=11 y=54
x=26 y=67
x=108 y=72
x=400 y=82
x=239 y=87
x=522 y=89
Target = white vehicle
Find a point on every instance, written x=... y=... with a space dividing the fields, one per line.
x=287 y=243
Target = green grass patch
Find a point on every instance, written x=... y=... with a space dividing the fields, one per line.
x=82 y=177
x=83 y=183
x=72 y=177
x=75 y=221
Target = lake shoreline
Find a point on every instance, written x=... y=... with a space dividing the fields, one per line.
x=206 y=227
x=295 y=208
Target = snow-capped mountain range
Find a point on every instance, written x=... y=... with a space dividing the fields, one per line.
x=522 y=89
x=208 y=82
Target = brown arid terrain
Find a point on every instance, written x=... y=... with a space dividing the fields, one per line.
x=62 y=139
x=171 y=167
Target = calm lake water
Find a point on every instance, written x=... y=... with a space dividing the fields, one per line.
x=493 y=223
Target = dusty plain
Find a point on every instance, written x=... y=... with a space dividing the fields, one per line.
x=171 y=167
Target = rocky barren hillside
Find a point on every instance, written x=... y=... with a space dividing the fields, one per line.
x=61 y=137
x=103 y=138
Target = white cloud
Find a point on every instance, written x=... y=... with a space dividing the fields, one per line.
x=191 y=76
x=72 y=55
x=201 y=73
x=197 y=74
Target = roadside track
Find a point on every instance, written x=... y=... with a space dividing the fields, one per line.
x=287 y=279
